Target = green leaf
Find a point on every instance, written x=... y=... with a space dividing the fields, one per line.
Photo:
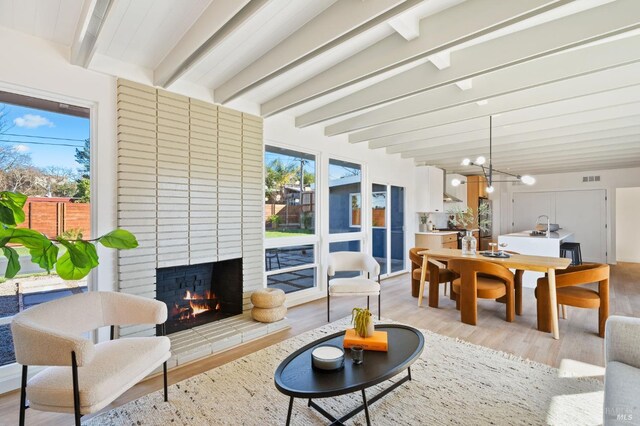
x=15 y=197
x=13 y=264
x=6 y=214
x=67 y=270
x=43 y=252
x=78 y=258
x=119 y=239
x=14 y=202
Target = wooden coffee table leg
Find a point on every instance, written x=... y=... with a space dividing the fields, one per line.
x=366 y=408
x=290 y=409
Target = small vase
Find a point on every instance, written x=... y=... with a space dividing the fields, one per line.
x=370 y=328
x=423 y=227
x=469 y=243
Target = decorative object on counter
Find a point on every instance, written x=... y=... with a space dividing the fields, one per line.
x=362 y=321
x=327 y=357
x=429 y=226
x=490 y=170
x=423 y=222
x=465 y=218
x=357 y=354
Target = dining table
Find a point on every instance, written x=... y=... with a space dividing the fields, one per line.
x=545 y=264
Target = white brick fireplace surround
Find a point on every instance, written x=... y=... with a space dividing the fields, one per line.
x=190 y=187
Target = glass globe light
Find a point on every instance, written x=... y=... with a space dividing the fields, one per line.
x=466 y=162
x=528 y=180
x=480 y=160
x=456 y=182
x=490 y=189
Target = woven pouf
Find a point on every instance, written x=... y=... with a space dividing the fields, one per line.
x=269 y=314
x=268 y=298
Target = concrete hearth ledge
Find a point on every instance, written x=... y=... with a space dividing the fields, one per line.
x=218 y=336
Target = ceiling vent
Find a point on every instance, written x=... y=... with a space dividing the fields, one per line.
x=586 y=179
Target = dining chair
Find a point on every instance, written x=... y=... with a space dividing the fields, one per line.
x=363 y=285
x=481 y=279
x=444 y=275
x=517 y=286
x=570 y=291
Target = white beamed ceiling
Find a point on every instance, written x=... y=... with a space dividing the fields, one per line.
x=561 y=78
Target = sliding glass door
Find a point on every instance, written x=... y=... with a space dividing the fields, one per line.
x=387 y=227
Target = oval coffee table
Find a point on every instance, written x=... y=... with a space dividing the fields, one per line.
x=296 y=378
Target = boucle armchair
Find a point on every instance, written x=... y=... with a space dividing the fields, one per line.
x=622 y=373
x=363 y=285
x=82 y=377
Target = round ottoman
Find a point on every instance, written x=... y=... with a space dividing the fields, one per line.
x=268 y=305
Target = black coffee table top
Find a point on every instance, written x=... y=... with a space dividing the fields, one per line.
x=295 y=376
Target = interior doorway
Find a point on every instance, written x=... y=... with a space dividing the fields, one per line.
x=387 y=227
x=627 y=233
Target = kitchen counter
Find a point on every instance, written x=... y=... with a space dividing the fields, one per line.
x=557 y=235
x=437 y=233
x=536 y=245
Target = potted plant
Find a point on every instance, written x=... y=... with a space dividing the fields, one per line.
x=274 y=219
x=466 y=218
x=423 y=222
x=362 y=321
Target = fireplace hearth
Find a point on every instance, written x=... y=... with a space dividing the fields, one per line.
x=199 y=294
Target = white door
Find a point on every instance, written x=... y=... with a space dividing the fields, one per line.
x=585 y=214
x=527 y=206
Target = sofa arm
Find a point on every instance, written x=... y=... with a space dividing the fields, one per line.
x=128 y=309
x=35 y=345
x=621 y=340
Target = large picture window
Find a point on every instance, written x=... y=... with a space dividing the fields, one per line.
x=290 y=219
x=345 y=197
x=45 y=155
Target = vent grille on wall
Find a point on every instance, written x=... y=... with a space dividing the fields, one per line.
x=590 y=178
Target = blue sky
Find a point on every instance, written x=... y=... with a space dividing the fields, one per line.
x=24 y=123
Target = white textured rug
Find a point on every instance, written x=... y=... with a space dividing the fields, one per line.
x=454 y=382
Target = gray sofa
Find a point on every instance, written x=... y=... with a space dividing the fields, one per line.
x=622 y=376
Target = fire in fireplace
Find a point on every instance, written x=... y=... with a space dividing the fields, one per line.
x=199 y=294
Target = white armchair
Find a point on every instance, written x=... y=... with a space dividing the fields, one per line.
x=82 y=377
x=367 y=284
x=622 y=374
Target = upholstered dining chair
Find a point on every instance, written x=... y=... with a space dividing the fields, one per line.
x=517 y=286
x=570 y=291
x=444 y=275
x=481 y=279
x=82 y=377
x=366 y=284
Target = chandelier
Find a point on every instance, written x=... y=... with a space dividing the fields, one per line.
x=489 y=171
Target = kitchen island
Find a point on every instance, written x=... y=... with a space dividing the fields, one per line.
x=537 y=245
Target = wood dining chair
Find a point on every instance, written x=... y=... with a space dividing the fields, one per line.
x=481 y=279
x=570 y=291
x=444 y=275
x=517 y=286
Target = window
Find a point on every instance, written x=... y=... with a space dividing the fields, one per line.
x=379 y=208
x=44 y=154
x=290 y=186
x=290 y=218
x=345 y=197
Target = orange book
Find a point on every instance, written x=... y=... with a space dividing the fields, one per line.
x=377 y=342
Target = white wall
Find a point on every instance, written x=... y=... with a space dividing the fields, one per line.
x=378 y=167
x=609 y=181
x=627 y=230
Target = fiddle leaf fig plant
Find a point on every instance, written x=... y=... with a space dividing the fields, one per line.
x=75 y=263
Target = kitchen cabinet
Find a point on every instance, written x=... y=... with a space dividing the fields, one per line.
x=476 y=189
x=429 y=189
x=437 y=240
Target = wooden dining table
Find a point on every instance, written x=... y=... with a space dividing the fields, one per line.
x=522 y=262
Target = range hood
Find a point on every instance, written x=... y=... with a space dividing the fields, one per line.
x=448 y=198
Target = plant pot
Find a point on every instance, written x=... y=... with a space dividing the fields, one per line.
x=370 y=328
x=423 y=227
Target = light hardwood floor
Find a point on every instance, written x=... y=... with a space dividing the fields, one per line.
x=578 y=333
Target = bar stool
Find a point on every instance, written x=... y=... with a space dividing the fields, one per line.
x=574 y=250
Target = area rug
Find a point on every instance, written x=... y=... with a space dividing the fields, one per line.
x=454 y=382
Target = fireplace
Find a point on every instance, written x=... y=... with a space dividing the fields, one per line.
x=199 y=294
